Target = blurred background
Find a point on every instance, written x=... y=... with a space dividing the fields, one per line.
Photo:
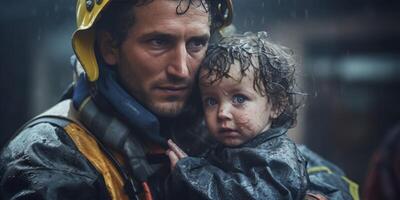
x=348 y=55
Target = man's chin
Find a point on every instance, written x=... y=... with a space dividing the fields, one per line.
x=166 y=109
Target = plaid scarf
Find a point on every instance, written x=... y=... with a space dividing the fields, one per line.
x=117 y=120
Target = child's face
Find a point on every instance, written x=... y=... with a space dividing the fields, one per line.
x=234 y=111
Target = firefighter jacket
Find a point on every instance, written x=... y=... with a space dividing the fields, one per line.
x=56 y=157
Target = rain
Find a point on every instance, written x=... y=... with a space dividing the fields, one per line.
x=348 y=55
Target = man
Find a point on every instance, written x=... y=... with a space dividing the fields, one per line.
x=106 y=139
x=139 y=58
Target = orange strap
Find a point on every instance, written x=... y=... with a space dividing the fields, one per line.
x=91 y=150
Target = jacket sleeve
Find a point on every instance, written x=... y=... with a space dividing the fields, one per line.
x=246 y=173
x=42 y=162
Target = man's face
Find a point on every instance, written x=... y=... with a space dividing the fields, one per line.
x=157 y=61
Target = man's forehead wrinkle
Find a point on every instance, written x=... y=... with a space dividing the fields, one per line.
x=170 y=30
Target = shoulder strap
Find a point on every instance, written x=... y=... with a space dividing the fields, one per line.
x=53 y=120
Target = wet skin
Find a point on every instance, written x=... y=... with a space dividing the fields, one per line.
x=157 y=61
x=234 y=111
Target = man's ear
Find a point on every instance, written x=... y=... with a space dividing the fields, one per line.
x=107 y=48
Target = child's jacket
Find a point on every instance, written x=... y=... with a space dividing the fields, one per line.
x=267 y=167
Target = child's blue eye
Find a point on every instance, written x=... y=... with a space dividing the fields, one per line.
x=210 y=101
x=239 y=99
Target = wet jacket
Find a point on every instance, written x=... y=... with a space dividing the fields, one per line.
x=267 y=167
x=327 y=179
x=56 y=157
x=52 y=159
x=61 y=159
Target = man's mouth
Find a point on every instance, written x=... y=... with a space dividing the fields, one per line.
x=173 y=89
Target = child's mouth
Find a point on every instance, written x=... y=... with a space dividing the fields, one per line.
x=228 y=131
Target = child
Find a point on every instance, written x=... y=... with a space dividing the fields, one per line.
x=246 y=85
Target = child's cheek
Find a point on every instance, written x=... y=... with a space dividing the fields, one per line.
x=244 y=123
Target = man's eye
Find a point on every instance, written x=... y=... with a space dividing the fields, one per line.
x=210 y=102
x=196 y=45
x=239 y=99
x=158 y=42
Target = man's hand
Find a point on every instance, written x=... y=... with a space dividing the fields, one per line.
x=174 y=153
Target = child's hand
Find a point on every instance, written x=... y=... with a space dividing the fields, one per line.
x=174 y=153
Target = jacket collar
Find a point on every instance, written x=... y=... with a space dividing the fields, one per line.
x=115 y=103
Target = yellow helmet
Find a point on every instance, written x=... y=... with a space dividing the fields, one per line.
x=89 y=11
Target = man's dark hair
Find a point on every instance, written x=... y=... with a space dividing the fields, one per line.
x=119 y=17
x=273 y=66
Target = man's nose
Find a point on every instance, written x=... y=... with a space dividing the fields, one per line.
x=178 y=66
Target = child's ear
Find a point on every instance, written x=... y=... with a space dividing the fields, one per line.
x=275 y=112
x=107 y=48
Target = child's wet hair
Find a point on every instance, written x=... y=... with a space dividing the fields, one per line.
x=273 y=68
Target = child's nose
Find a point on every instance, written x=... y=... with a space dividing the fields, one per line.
x=224 y=112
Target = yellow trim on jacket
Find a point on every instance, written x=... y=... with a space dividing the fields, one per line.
x=353 y=187
x=88 y=146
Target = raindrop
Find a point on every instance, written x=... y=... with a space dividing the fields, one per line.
x=347 y=52
x=293 y=14
x=306 y=14
x=34 y=11
x=56 y=8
